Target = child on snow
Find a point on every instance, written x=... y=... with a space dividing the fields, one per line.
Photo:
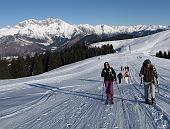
x=126 y=77
x=120 y=76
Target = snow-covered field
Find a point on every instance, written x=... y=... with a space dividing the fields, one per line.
x=70 y=97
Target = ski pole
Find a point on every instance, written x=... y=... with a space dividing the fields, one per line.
x=103 y=90
x=157 y=86
x=141 y=80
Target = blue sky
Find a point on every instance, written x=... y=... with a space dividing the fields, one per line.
x=110 y=12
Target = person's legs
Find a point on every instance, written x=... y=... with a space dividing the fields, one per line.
x=111 y=90
x=126 y=80
x=119 y=80
x=107 y=89
x=152 y=92
x=146 y=92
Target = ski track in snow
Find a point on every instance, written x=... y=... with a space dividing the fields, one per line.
x=70 y=97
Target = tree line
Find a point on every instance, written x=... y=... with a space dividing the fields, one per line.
x=164 y=54
x=40 y=63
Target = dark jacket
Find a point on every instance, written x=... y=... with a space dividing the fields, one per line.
x=108 y=74
x=148 y=73
x=120 y=75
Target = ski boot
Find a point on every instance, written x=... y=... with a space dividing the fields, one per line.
x=153 y=101
x=111 y=102
x=147 y=101
x=106 y=102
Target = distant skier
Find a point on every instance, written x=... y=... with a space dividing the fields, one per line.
x=120 y=76
x=126 y=77
x=121 y=68
x=109 y=76
x=127 y=68
x=148 y=73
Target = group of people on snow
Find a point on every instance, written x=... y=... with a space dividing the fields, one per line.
x=124 y=75
x=147 y=73
x=124 y=68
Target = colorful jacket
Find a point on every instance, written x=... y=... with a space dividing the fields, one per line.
x=120 y=75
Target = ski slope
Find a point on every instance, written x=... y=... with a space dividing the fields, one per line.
x=70 y=97
x=147 y=44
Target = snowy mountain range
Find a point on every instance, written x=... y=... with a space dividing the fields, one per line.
x=32 y=35
x=44 y=29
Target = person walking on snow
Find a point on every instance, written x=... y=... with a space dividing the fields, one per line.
x=148 y=73
x=121 y=68
x=127 y=68
x=120 y=76
x=109 y=76
x=126 y=77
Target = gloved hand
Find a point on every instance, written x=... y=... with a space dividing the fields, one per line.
x=140 y=75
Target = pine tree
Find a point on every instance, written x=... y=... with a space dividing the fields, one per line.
x=37 y=65
x=4 y=71
x=18 y=68
x=52 y=62
x=14 y=68
x=160 y=54
x=28 y=65
x=157 y=54
x=165 y=55
x=168 y=54
x=22 y=67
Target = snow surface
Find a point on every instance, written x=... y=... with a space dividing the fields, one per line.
x=148 y=44
x=70 y=97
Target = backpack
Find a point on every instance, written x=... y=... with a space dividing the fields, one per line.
x=148 y=74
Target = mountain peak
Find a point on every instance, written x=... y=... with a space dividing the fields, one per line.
x=46 y=22
x=26 y=22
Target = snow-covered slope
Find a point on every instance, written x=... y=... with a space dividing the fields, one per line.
x=70 y=97
x=148 y=44
x=46 y=29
